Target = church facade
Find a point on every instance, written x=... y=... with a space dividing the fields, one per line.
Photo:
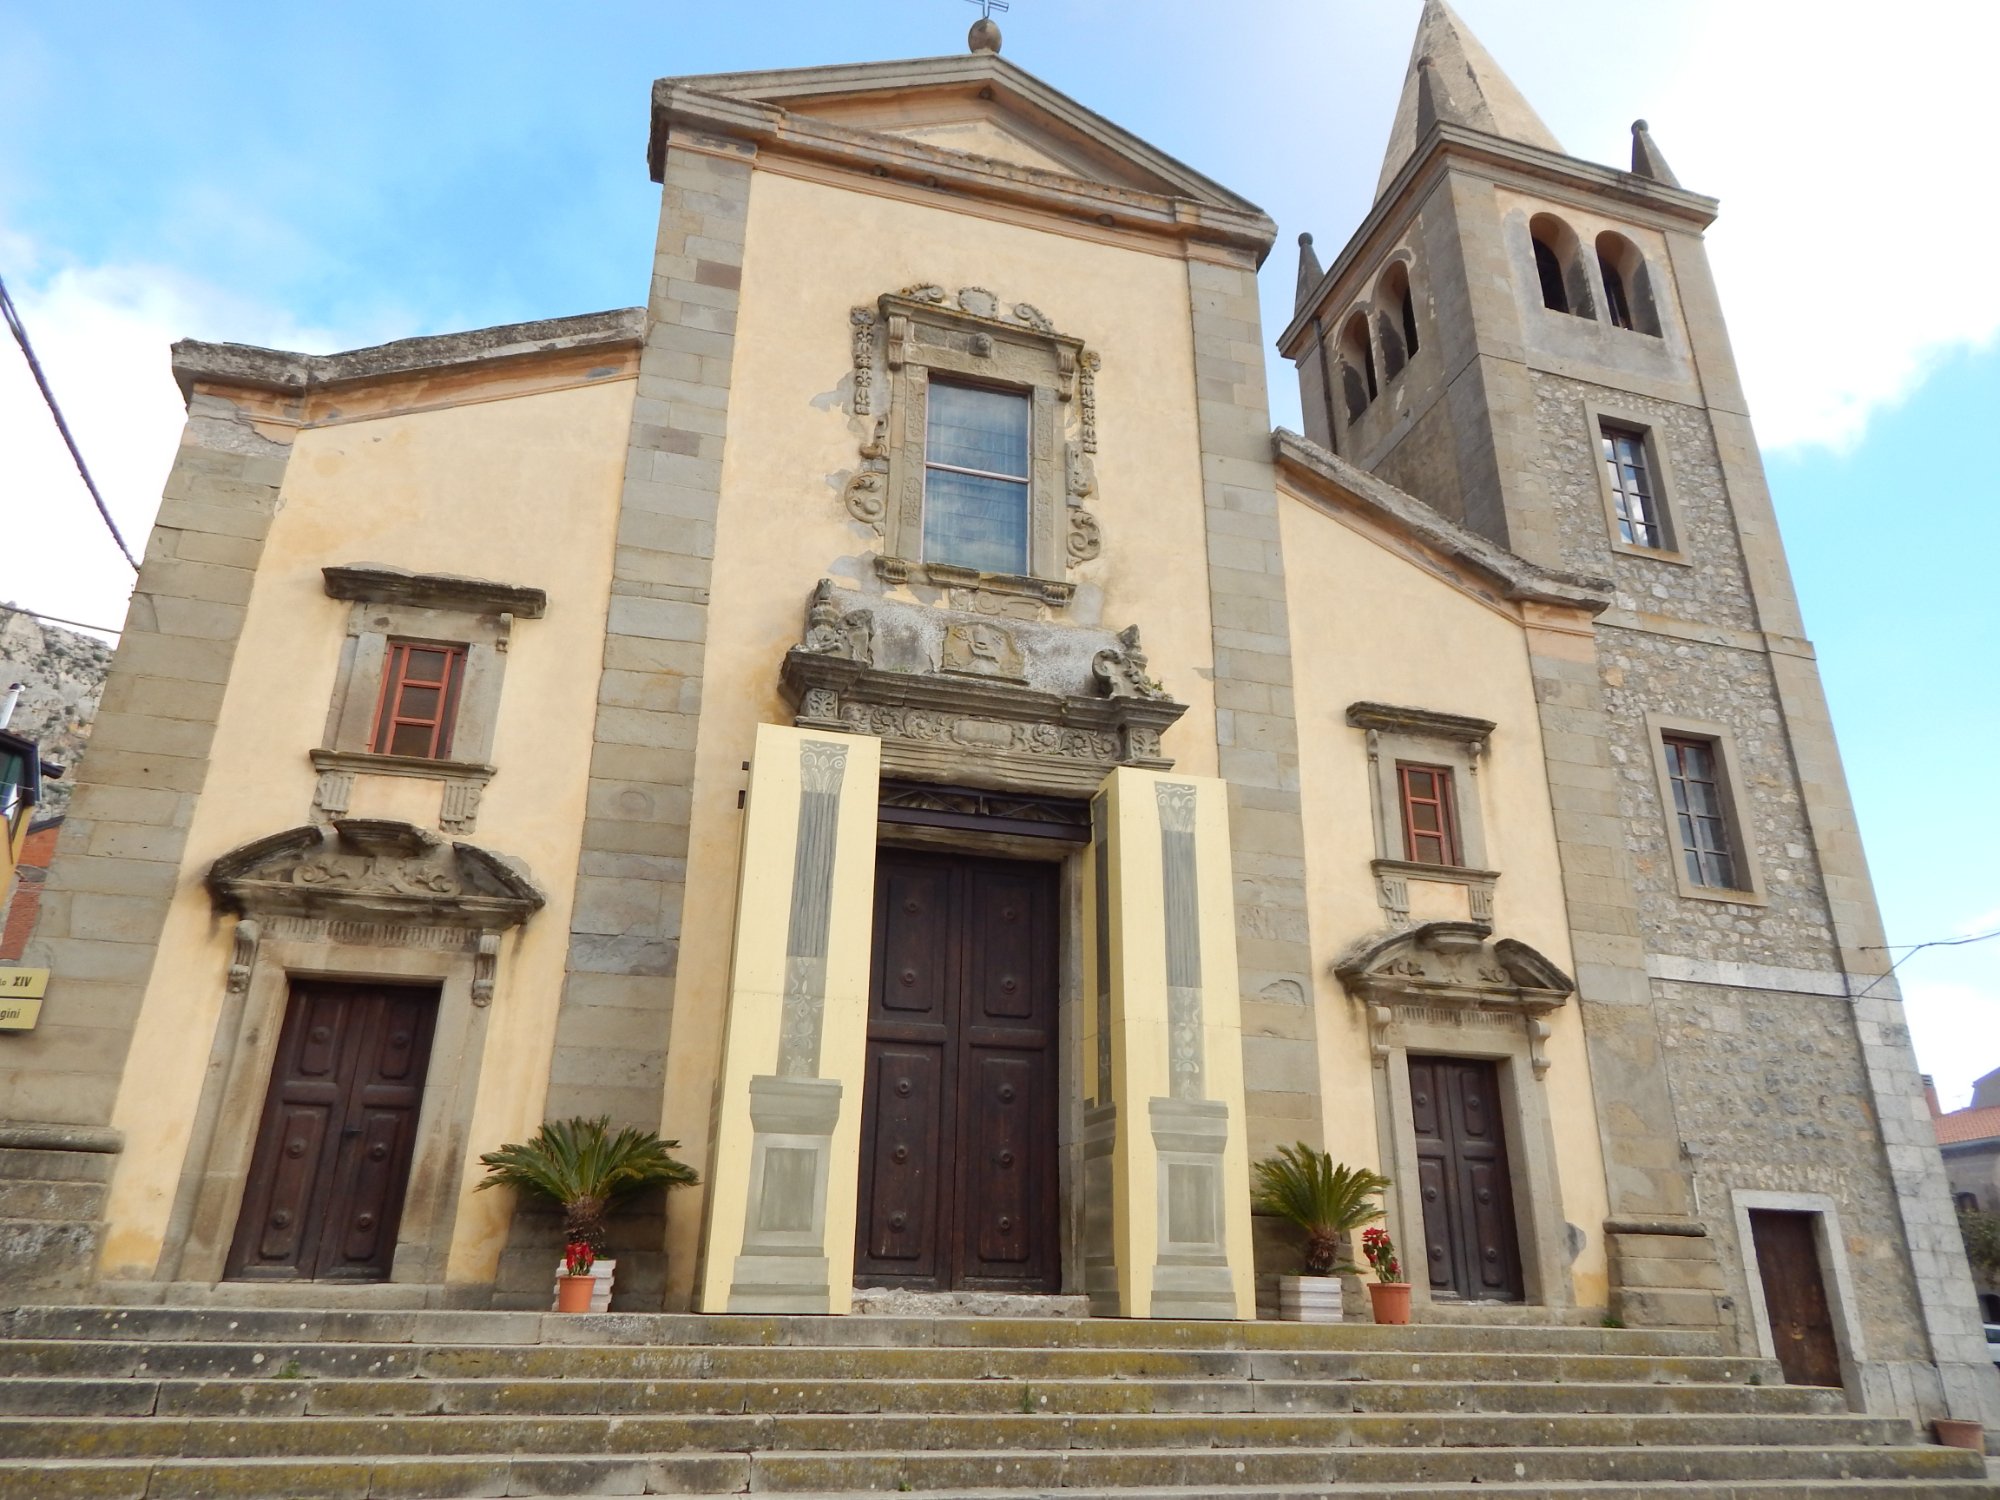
x=891 y=714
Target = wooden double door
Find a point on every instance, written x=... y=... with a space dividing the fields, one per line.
x=333 y=1151
x=958 y=1125
x=1471 y=1250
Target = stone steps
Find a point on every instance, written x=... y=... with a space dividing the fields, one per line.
x=1891 y=1474
x=300 y=1396
x=371 y=1404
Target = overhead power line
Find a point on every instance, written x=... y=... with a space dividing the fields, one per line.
x=36 y=614
x=1915 y=949
x=34 y=365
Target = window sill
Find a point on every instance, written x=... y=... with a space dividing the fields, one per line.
x=1718 y=893
x=367 y=763
x=1655 y=554
x=948 y=575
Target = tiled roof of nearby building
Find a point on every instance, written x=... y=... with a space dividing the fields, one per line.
x=1968 y=1125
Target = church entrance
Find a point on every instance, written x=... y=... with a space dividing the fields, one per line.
x=332 y=1161
x=958 y=1183
x=1470 y=1246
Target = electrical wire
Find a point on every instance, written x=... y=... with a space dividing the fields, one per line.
x=1915 y=949
x=35 y=368
x=36 y=614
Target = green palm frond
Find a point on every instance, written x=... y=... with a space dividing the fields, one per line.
x=583 y=1168
x=1326 y=1199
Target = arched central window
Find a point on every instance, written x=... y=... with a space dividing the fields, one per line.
x=1357 y=366
x=1559 y=267
x=1628 y=288
x=1395 y=319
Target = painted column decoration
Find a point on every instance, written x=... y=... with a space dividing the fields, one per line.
x=786 y=1166
x=1166 y=1028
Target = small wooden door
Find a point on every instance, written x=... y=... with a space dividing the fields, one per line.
x=1795 y=1296
x=340 y=1124
x=1470 y=1248
x=958 y=1126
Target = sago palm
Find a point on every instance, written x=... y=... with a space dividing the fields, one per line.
x=1329 y=1201
x=584 y=1168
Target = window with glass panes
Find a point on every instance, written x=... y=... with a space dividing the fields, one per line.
x=1430 y=829
x=1632 y=487
x=1700 y=813
x=420 y=686
x=976 y=478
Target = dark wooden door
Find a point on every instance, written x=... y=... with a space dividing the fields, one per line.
x=340 y=1121
x=1795 y=1296
x=1470 y=1248
x=958 y=1122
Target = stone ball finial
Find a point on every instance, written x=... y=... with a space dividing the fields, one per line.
x=984 y=36
x=1305 y=241
x=1640 y=127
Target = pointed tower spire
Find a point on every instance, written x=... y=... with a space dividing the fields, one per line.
x=1646 y=158
x=1310 y=272
x=1453 y=78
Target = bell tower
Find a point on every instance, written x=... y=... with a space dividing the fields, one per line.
x=1533 y=345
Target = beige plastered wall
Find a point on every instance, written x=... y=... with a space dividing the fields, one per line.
x=522 y=490
x=1370 y=624
x=782 y=524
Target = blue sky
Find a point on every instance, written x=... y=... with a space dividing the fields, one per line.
x=327 y=177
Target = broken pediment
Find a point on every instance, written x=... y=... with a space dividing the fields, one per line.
x=374 y=870
x=1452 y=971
x=1037 y=706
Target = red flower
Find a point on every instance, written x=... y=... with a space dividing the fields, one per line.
x=578 y=1258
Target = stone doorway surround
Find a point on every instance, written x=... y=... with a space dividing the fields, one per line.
x=366 y=899
x=1832 y=1247
x=1446 y=989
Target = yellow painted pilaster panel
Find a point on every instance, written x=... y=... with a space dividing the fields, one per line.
x=773 y=1058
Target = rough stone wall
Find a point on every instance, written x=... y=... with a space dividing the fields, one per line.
x=1771 y=1087
x=61 y=673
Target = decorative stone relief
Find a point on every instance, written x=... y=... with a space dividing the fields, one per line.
x=1088 y=366
x=1026 y=705
x=459 y=809
x=1448 y=973
x=485 y=965
x=1121 y=670
x=332 y=794
x=979 y=648
x=243 y=955
x=862 y=319
x=373 y=870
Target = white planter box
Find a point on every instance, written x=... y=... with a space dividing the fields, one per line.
x=1309 y=1299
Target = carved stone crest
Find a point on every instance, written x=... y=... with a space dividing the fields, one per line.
x=832 y=631
x=980 y=648
x=1121 y=670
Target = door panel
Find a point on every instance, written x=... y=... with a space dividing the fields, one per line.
x=1795 y=1296
x=1470 y=1245
x=958 y=1170
x=332 y=1159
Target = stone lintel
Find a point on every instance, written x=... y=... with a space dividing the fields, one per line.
x=379 y=583
x=1427 y=722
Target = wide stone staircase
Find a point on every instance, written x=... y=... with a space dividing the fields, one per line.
x=171 y=1403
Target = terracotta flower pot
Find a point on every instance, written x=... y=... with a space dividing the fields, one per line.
x=573 y=1293
x=1391 y=1299
x=1954 y=1432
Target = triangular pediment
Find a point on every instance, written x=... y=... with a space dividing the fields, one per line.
x=977 y=106
x=374 y=869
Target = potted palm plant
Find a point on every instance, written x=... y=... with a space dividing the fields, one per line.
x=1329 y=1201
x=584 y=1170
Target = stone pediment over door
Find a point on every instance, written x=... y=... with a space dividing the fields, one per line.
x=1453 y=974
x=1036 y=706
x=374 y=870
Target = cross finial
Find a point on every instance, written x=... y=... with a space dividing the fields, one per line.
x=985 y=33
x=987 y=7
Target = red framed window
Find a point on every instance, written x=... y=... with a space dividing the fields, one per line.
x=1430 y=822
x=420 y=687
x=1700 y=811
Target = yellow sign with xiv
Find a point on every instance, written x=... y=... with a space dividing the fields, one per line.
x=21 y=992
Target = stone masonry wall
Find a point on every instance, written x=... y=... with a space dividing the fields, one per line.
x=1771 y=1087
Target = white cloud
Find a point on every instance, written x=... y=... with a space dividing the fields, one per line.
x=102 y=334
x=1844 y=146
x=1954 y=1027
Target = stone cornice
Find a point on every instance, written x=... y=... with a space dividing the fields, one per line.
x=1314 y=469
x=1651 y=201
x=1420 y=721
x=292 y=374
x=1189 y=210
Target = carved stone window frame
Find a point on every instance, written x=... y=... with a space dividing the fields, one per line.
x=391 y=604
x=1749 y=891
x=1428 y=737
x=923 y=332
